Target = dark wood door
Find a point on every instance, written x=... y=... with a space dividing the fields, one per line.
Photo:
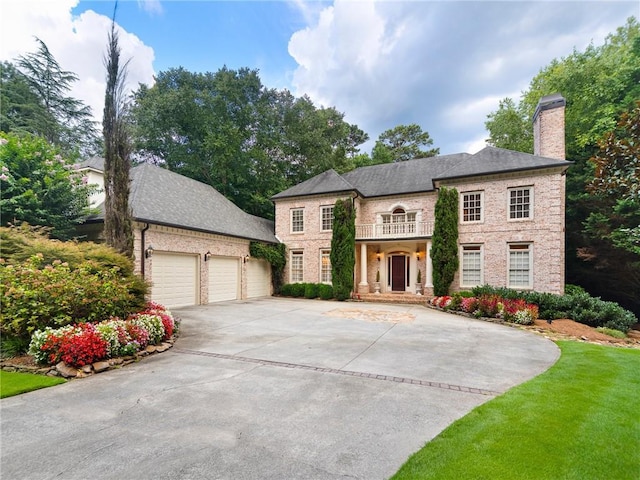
x=398 y=266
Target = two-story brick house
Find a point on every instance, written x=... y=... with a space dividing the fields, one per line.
x=511 y=230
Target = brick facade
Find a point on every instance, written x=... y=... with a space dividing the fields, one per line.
x=176 y=240
x=543 y=231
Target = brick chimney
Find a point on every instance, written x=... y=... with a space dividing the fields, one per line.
x=548 y=127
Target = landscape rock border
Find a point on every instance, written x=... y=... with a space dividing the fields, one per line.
x=67 y=371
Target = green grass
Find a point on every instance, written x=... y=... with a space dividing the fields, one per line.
x=579 y=420
x=14 y=383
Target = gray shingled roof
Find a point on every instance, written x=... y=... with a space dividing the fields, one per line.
x=420 y=175
x=327 y=182
x=492 y=160
x=167 y=198
x=96 y=163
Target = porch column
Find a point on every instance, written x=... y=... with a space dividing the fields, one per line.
x=429 y=277
x=363 y=286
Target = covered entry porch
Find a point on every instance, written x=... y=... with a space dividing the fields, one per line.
x=392 y=267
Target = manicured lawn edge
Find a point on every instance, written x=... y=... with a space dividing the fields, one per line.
x=577 y=420
x=15 y=383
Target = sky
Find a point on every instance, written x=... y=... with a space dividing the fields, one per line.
x=443 y=65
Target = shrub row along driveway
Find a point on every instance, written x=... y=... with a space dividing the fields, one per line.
x=272 y=388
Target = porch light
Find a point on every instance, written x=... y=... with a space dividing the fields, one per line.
x=207 y=256
x=245 y=259
x=378 y=256
x=148 y=253
x=418 y=254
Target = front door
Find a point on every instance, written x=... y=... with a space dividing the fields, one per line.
x=398 y=273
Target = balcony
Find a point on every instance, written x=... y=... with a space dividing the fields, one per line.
x=389 y=231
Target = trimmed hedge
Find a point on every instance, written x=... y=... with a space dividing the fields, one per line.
x=576 y=305
x=307 y=290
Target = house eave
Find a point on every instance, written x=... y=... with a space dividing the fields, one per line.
x=562 y=168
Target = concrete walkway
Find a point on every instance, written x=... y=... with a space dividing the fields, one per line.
x=272 y=389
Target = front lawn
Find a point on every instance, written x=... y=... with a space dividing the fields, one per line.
x=577 y=420
x=14 y=383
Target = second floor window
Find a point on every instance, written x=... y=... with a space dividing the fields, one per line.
x=326 y=218
x=297 y=220
x=520 y=202
x=472 y=207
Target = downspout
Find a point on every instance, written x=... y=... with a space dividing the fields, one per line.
x=142 y=256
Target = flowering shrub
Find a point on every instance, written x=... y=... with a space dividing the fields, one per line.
x=527 y=315
x=85 y=343
x=152 y=324
x=511 y=310
x=84 y=347
x=469 y=305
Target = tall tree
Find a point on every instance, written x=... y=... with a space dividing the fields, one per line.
x=21 y=111
x=68 y=122
x=229 y=131
x=117 y=222
x=509 y=127
x=401 y=143
x=40 y=187
x=444 y=250
x=343 y=248
x=612 y=248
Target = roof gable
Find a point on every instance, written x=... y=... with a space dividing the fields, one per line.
x=324 y=183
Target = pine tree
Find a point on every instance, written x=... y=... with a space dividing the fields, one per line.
x=444 y=251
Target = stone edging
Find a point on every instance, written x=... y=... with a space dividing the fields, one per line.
x=66 y=371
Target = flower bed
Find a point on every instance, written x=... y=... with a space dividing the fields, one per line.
x=492 y=306
x=86 y=343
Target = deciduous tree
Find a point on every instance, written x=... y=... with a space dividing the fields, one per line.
x=39 y=186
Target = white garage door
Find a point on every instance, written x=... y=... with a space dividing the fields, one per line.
x=224 y=281
x=258 y=278
x=174 y=279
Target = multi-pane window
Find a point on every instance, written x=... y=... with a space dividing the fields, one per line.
x=297 y=271
x=471 y=265
x=520 y=202
x=472 y=207
x=326 y=218
x=325 y=266
x=520 y=265
x=297 y=220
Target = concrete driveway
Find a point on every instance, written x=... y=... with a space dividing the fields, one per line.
x=272 y=389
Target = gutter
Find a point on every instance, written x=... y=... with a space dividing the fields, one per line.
x=142 y=246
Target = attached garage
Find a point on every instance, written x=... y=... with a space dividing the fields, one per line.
x=258 y=278
x=174 y=279
x=224 y=278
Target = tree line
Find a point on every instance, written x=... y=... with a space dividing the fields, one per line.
x=228 y=130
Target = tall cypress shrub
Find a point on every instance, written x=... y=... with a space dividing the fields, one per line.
x=343 y=248
x=444 y=249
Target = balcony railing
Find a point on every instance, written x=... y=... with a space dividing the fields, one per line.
x=378 y=231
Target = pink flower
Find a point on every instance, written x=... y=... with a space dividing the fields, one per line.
x=4 y=177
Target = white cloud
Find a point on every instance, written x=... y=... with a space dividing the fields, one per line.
x=151 y=6
x=442 y=65
x=77 y=42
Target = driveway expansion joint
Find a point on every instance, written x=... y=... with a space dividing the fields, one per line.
x=336 y=371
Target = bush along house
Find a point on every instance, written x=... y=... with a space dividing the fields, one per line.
x=511 y=217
